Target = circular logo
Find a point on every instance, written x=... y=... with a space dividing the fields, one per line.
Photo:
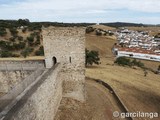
x=116 y=114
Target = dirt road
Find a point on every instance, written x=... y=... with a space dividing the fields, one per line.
x=99 y=105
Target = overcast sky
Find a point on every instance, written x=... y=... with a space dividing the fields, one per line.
x=138 y=11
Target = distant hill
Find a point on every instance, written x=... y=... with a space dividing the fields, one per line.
x=104 y=27
x=125 y=24
x=26 y=22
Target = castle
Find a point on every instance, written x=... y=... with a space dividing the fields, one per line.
x=63 y=75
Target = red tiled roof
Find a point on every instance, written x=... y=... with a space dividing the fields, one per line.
x=137 y=50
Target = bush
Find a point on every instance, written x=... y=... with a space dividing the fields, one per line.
x=18 y=46
x=137 y=63
x=110 y=34
x=15 y=55
x=6 y=45
x=13 y=31
x=26 y=52
x=40 y=52
x=30 y=39
x=12 y=39
x=24 y=30
x=35 y=26
x=2 y=31
x=20 y=38
x=89 y=29
x=5 y=54
x=98 y=33
x=2 y=43
x=123 y=61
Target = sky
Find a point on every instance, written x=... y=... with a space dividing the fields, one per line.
x=73 y=11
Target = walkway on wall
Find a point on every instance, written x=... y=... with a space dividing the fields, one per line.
x=14 y=99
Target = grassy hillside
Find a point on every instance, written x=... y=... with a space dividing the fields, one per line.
x=139 y=93
x=22 y=38
x=103 y=44
x=104 y=27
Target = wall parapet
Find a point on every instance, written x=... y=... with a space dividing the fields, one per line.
x=20 y=65
x=6 y=99
x=41 y=99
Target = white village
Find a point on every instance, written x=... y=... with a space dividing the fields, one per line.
x=137 y=44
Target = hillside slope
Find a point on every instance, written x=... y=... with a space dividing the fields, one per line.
x=139 y=93
x=103 y=44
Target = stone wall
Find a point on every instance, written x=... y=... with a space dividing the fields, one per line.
x=20 y=65
x=9 y=79
x=13 y=72
x=41 y=101
x=67 y=46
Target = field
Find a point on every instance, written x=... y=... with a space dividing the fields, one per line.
x=139 y=93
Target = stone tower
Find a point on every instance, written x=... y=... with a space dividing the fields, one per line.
x=66 y=45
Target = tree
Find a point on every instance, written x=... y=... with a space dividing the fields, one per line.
x=92 y=57
x=23 y=22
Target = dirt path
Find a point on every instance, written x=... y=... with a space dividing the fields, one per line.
x=99 y=105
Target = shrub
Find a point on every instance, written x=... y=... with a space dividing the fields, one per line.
x=30 y=40
x=20 y=38
x=89 y=29
x=18 y=46
x=98 y=32
x=24 y=30
x=137 y=63
x=35 y=26
x=15 y=55
x=123 y=61
x=40 y=52
x=26 y=52
x=12 y=39
x=13 y=31
x=6 y=45
x=2 y=31
x=5 y=54
x=110 y=33
x=2 y=43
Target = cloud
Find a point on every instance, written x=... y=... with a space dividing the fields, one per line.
x=69 y=10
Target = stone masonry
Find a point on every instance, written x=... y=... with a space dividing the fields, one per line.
x=67 y=46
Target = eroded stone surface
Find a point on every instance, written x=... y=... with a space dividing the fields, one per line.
x=9 y=79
